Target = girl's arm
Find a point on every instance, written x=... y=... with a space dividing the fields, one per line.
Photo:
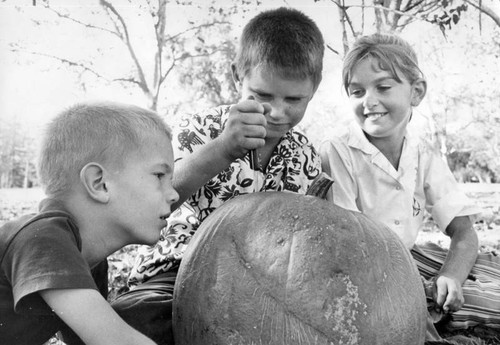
x=458 y=263
x=92 y=318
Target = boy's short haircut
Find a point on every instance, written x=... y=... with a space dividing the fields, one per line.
x=392 y=53
x=101 y=132
x=284 y=40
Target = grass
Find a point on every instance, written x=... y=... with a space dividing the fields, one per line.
x=16 y=202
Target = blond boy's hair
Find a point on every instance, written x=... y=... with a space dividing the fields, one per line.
x=101 y=132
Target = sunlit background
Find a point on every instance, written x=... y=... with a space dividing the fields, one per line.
x=56 y=53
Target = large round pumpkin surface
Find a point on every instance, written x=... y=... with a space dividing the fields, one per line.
x=287 y=269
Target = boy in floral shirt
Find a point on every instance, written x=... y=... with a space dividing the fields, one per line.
x=236 y=149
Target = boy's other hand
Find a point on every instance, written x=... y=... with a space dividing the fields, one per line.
x=448 y=294
x=92 y=318
x=245 y=129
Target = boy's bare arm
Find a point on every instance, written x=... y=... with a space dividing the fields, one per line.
x=92 y=318
x=244 y=131
x=461 y=257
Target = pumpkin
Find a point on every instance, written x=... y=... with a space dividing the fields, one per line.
x=283 y=268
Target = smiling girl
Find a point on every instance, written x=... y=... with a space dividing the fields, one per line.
x=383 y=171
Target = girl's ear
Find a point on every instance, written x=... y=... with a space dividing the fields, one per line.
x=418 y=91
x=93 y=178
x=236 y=77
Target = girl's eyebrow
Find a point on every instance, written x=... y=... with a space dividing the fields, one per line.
x=378 y=80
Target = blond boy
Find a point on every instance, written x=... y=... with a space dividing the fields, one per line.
x=107 y=171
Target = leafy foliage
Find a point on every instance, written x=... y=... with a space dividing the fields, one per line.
x=121 y=31
x=450 y=14
x=462 y=102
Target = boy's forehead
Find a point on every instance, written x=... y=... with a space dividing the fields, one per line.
x=154 y=141
x=283 y=72
x=152 y=153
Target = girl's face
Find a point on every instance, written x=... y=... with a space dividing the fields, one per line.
x=382 y=105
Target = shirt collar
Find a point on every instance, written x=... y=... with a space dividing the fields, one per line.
x=357 y=139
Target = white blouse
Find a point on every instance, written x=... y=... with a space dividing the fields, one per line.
x=366 y=181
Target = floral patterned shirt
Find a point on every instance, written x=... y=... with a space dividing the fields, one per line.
x=293 y=166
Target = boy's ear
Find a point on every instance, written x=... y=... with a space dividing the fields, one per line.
x=93 y=178
x=419 y=89
x=236 y=76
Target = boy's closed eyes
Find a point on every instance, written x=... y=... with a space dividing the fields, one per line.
x=162 y=171
x=266 y=97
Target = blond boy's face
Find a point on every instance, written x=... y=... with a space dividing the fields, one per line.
x=288 y=98
x=141 y=190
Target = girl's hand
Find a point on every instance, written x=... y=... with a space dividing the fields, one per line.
x=447 y=294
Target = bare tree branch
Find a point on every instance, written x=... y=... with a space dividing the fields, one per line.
x=396 y=16
x=165 y=75
x=87 y=25
x=160 y=15
x=169 y=49
x=411 y=5
x=485 y=9
x=386 y=9
x=329 y=47
x=126 y=39
x=344 y=17
x=130 y=80
x=196 y=28
x=70 y=63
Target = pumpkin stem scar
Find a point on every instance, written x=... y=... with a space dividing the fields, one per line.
x=320 y=186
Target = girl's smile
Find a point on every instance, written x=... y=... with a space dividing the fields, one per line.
x=374 y=116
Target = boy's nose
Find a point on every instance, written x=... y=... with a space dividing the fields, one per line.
x=278 y=110
x=172 y=196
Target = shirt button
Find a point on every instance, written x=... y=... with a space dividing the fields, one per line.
x=398 y=187
x=396 y=222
